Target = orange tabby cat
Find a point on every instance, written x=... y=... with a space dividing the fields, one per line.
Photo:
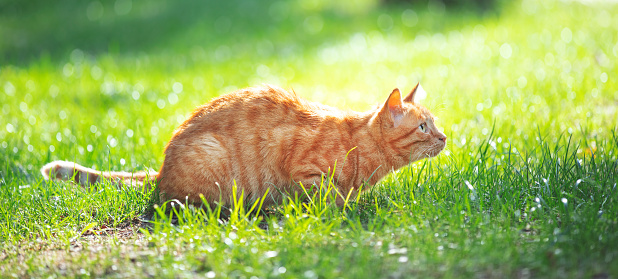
x=268 y=138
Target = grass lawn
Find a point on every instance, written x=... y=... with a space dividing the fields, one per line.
x=526 y=93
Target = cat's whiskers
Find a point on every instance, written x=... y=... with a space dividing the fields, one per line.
x=423 y=153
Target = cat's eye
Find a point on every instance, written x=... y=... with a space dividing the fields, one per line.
x=423 y=128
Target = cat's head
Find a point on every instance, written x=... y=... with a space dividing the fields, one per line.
x=408 y=127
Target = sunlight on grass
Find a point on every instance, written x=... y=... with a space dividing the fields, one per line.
x=526 y=93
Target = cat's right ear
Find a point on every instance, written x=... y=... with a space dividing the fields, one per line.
x=417 y=90
x=394 y=107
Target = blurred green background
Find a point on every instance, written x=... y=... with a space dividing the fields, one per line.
x=33 y=29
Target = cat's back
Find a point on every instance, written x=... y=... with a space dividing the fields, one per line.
x=266 y=95
x=264 y=107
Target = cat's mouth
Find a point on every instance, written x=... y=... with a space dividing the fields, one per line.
x=436 y=149
x=429 y=151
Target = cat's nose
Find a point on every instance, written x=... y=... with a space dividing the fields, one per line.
x=442 y=137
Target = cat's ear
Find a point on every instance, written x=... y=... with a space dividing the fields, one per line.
x=417 y=89
x=394 y=105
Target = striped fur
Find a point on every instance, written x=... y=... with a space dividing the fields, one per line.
x=268 y=138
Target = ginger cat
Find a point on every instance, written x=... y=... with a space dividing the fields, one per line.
x=266 y=137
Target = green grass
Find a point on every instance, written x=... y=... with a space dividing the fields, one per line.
x=526 y=93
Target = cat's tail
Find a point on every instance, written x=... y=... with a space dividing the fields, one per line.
x=69 y=171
